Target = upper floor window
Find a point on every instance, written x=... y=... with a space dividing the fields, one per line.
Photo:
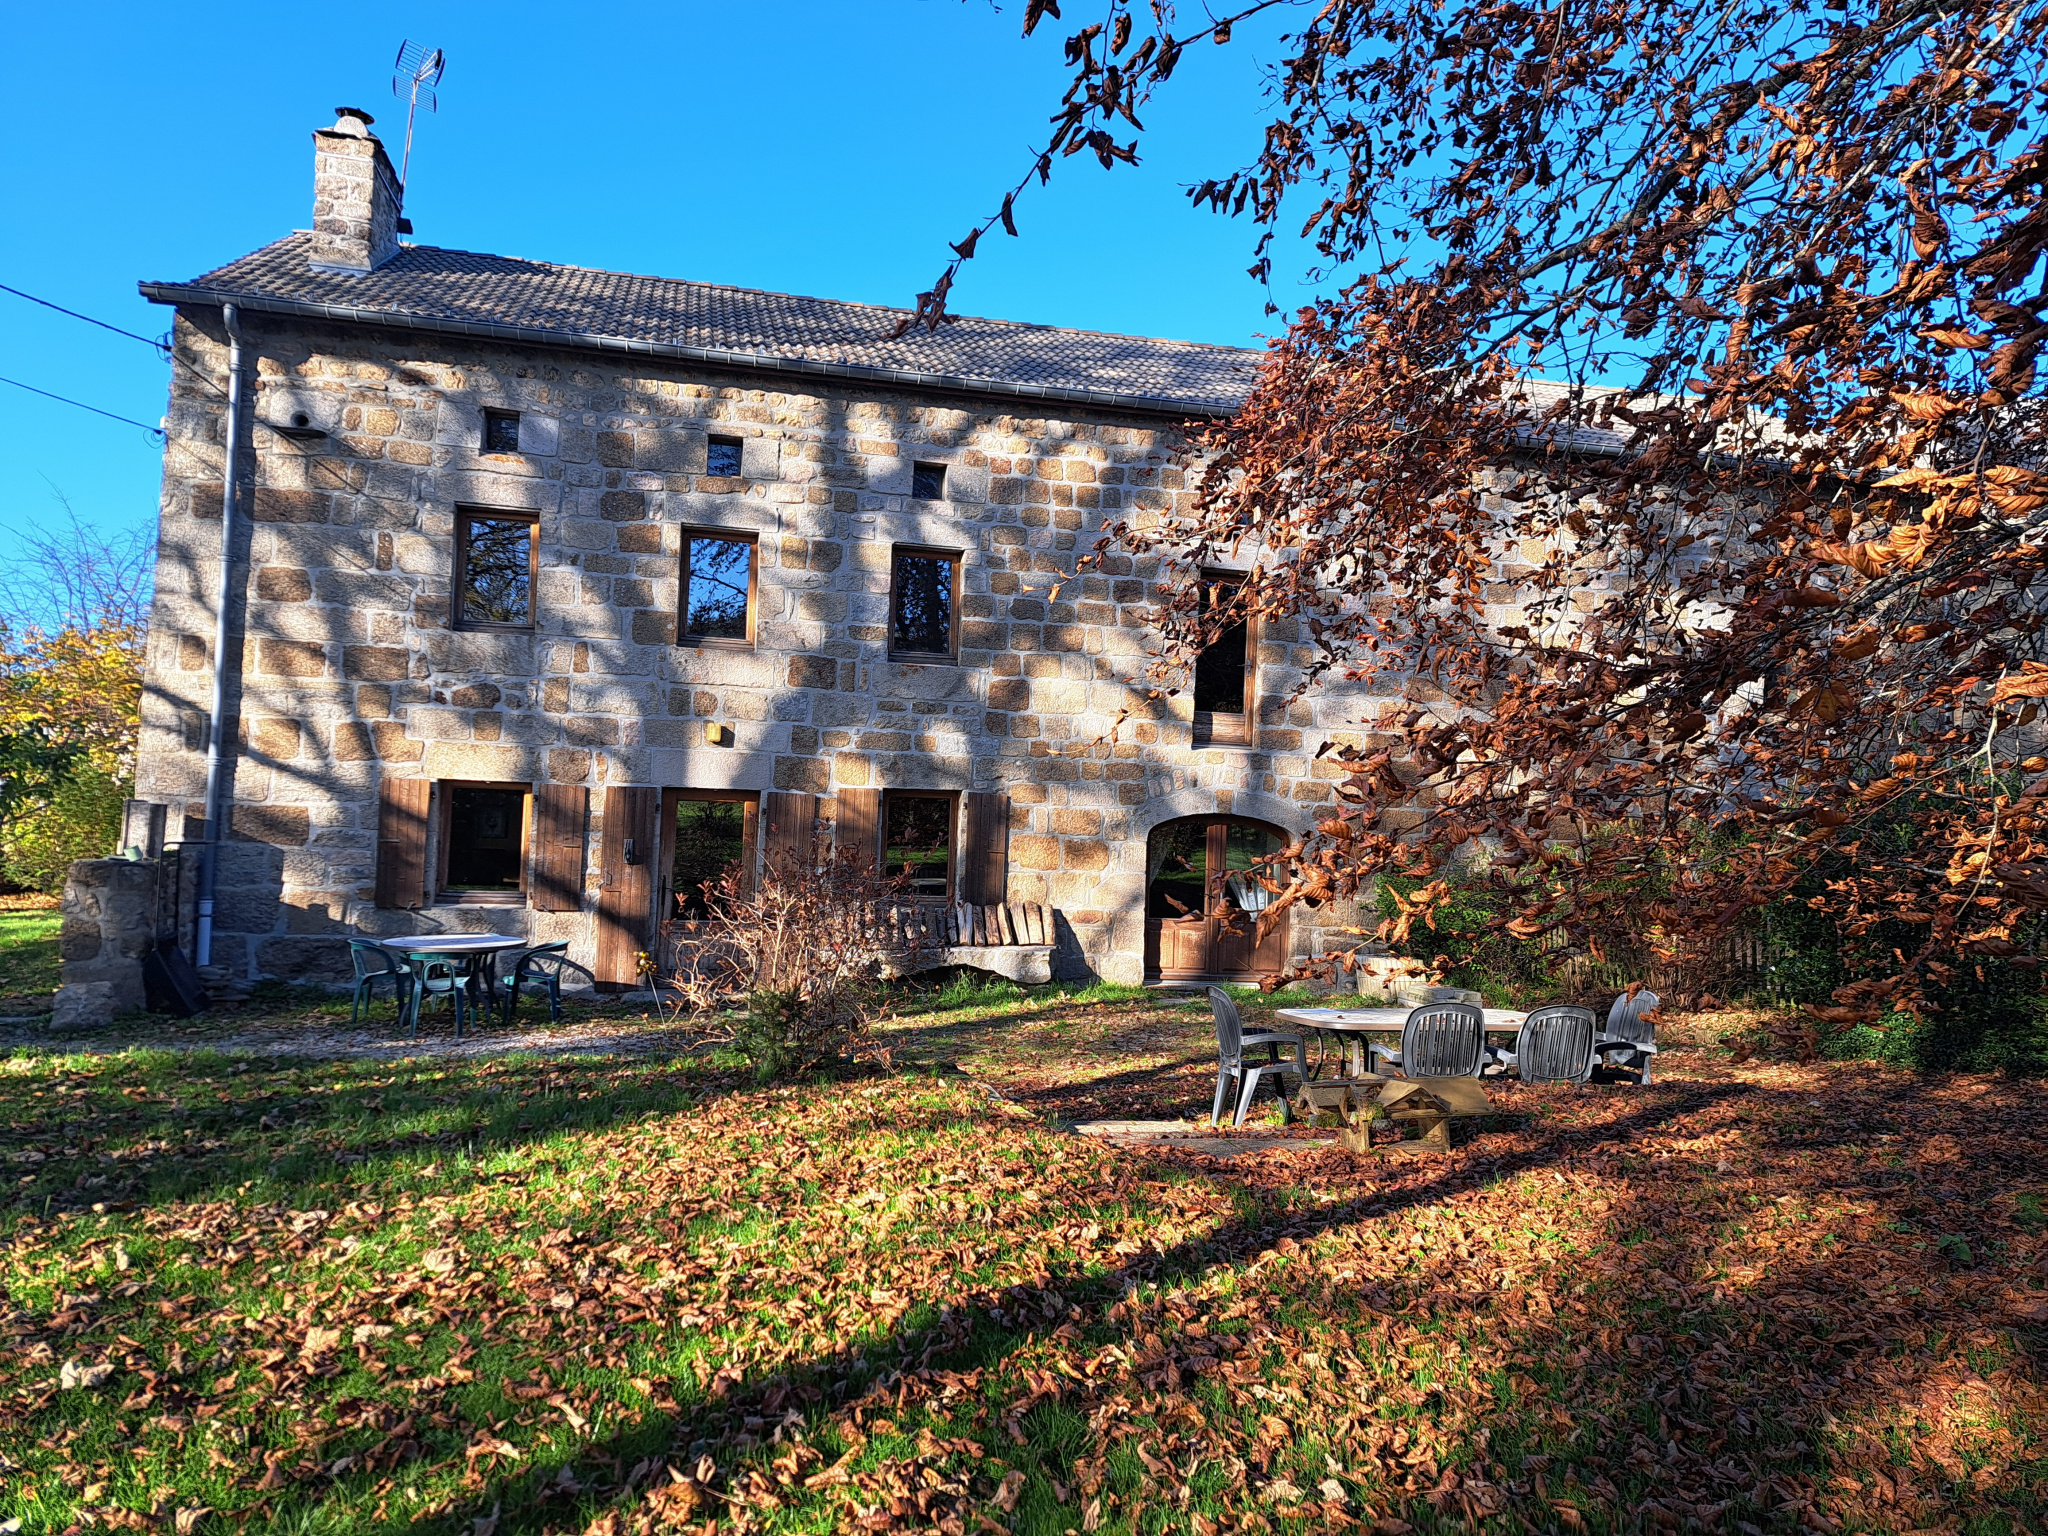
x=722 y=457
x=717 y=601
x=1223 y=672
x=501 y=431
x=917 y=836
x=928 y=481
x=495 y=563
x=924 y=604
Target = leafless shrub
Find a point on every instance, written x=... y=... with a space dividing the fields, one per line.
x=807 y=949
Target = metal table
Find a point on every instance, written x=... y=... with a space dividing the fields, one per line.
x=1353 y=1024
x=479 y=950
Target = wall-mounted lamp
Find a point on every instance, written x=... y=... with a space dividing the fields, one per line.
x=718 y=735
x=633 y=852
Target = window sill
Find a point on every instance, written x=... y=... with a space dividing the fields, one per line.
x=480 y=627
x=923 y=659
x=480 y=899
x=713 y=643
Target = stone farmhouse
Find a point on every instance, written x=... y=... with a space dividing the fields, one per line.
x=548 y=592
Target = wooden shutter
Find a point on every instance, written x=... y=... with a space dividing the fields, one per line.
x=789 y=828
x=984 y=875
x=859 y=828
x=402 y=842
x=625 y=896
x=555 y=882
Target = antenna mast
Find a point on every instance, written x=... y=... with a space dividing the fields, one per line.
x=415 y=73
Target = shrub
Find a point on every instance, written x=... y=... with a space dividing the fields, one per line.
x=808 y=947
x=77 y=818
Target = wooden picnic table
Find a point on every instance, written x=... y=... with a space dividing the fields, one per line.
x=1352 y=1025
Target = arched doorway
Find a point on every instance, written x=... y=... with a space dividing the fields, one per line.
x=1202 y=903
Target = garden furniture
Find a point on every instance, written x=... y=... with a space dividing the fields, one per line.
x=1555 y=1046
x=1352 y=1025
x=1630 y=1039
x=541 y=965
x=1232 y=1070
x=374 y=963
x=1438 y=1040
x=470 y=958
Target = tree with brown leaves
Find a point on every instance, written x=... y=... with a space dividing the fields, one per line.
x=1673 y=446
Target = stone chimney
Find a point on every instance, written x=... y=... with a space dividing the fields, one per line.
x=356 y=197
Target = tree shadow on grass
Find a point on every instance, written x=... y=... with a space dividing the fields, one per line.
x=1692 y=1377
x=156 y=1127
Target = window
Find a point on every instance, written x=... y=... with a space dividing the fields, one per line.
x=494 y=570
x=501 y=431
x=714 y=830
x=717 y=603
x=1223 y=675
x=722 y=457
x=917 y=835
x=928 y=481
x=924 y=604
x=483 y=843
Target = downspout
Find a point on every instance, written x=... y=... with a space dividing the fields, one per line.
x=202 y=942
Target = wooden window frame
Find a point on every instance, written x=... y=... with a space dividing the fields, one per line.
x=897 y=554
x=1222 y=728
x=444 y=830
x=752 y=540
x=458 y=588
x=484 y=448
x=952 y=799
x=750 y=840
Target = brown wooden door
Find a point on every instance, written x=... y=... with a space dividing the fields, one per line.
x=1197 y=922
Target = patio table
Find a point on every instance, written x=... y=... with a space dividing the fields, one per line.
x=1351 y=1025
x=478 y=951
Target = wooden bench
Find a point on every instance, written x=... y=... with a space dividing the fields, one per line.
x=1015 y=940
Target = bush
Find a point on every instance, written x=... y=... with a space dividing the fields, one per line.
x=80 y=818
x=808 y=948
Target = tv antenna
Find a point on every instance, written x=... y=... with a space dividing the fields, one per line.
x=414 y=74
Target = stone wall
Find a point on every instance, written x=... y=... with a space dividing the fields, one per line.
x=111 y=912
x=350 y=668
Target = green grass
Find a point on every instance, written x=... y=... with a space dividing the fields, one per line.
x=28 y=953
x=616 y=1295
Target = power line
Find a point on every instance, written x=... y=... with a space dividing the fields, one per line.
x=125 y=420
x=147 y=341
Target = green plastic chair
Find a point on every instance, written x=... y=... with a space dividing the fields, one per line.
x=374 y=963
x=439 y=976
x=542 y=965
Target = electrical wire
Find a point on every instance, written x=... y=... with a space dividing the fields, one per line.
x=125 y=420
x=147 y=341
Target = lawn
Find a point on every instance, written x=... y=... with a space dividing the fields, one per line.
x=28 y=958
x=637 y=1293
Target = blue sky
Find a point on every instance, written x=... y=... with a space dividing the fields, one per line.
x=819 y=148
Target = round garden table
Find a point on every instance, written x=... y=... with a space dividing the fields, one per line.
x=477 y=951
x=1352 y=1025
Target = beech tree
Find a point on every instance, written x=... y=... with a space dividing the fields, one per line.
x=1707 y=333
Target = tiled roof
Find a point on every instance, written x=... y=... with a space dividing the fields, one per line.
x=427 y=288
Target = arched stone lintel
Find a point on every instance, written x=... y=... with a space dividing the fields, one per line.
x=1123 y=888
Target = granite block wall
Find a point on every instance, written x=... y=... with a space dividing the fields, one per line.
x=348 y=667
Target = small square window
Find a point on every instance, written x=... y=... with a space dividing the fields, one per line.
x=918 y=838
x=483 y=842
x=494 y=570
x=924 y=604
x=501 y=431
x=718 y=589
x=928 y=481
x=722 y=458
